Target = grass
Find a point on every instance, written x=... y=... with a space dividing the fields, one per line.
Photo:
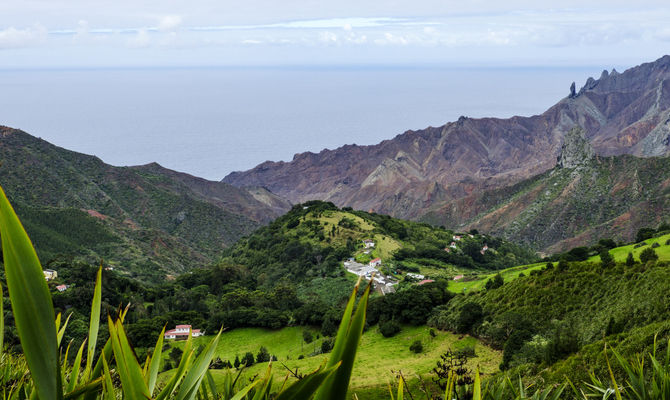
x=508 y=274
x=620 y=253
x=377 y=356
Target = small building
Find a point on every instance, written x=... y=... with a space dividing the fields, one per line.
x=109 y=268
x=61 y=288
x=484 y=249
x=181 y=332
x=368 y=243
x=453 y=245
x=50 y=274
x=457 y=237
x=458 y=277
x=448 y=250
x=415 y=276
x=423 y=282
x=376 y=262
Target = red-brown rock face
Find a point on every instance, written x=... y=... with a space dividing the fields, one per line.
x=621 y=113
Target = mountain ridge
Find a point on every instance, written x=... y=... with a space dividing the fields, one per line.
x=620 y=113
x=169 y=221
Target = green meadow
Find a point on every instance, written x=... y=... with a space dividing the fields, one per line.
x=479 y=281
x=376 y=359
x=620 y=253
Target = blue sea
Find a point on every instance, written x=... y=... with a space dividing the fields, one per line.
x=211 y=121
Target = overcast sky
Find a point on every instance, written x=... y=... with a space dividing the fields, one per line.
x=111 y=33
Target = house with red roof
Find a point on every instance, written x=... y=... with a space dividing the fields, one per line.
x=376 y=262
x=181 y=332
x=425 y=281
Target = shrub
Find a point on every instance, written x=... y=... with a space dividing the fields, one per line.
x=606 y=258
x=648 y=254
x=326 y=345
x=248 y=359
x=300 y=357
x=655 y=245
x=389 y=328
x=667 y=242
x=307 y=336
x=630 y=261
x=416 y=347
x=263 y=355
x=432 y=333
x=470 y=314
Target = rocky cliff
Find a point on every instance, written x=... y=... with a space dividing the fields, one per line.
x=418 y=171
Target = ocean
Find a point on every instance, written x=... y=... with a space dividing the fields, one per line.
x=211 y=121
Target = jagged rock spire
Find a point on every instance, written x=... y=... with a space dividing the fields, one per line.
x=576 y=149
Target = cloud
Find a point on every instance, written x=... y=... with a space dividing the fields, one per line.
x=139 y=40
x=169 y=23
x=17 y=38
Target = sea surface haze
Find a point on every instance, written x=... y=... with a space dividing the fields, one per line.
x=212 y=121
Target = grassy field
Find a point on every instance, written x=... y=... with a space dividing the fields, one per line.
x=620 y=253
x=376 y=359
x=478 y=283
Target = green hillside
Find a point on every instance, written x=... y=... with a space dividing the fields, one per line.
x=148 y=221
x=568 y=207
x=376 y=359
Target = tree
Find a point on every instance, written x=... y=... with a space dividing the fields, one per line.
x=470 y=314
x=175 y=354
x=644 y=234
x=326 y=345
x=263 y=355
x=630 y=261
x=307 y=336
x=494 y=283
x=237 y=363
x=248 y=359
x=416 y=347
x=648 y=254
x=606 y=258
x=389 y=328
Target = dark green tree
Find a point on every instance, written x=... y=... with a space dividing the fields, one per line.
x=237 y=363
x=263 y=355
x=416 y=347
x=307 y=336
x=470 y=314
x=648 y=254
x=494 y=283
x=630 y=261
x=606 y=258
x=389 y=328
x=248 y=359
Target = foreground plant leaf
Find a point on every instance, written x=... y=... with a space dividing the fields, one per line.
x=335 y=387
x=31 y=304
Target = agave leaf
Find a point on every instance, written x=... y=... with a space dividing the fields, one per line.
x=88 y=388
x=242 y=393
x=184 y=364
x=348 y=337
x=74 y=374
x=307 y=386
x=609 y=368
x=61 y=329
x=94 y=323
x=192 y=380
x=31 y=304
x=152 y=373
x=477 y=387
x=2 y=319
x=212 y=385
x=108 y=390
x=340 y=339
x=401 y=391
x=129 y=369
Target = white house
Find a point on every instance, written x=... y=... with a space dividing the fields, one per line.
x=50 y=274
x=61 y=288
x=416 y=276
x=457 y=237
x=181 y=332
x=453 y=245
x=376 y=262
x=368 y=243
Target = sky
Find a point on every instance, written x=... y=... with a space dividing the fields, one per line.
x=171 y=33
